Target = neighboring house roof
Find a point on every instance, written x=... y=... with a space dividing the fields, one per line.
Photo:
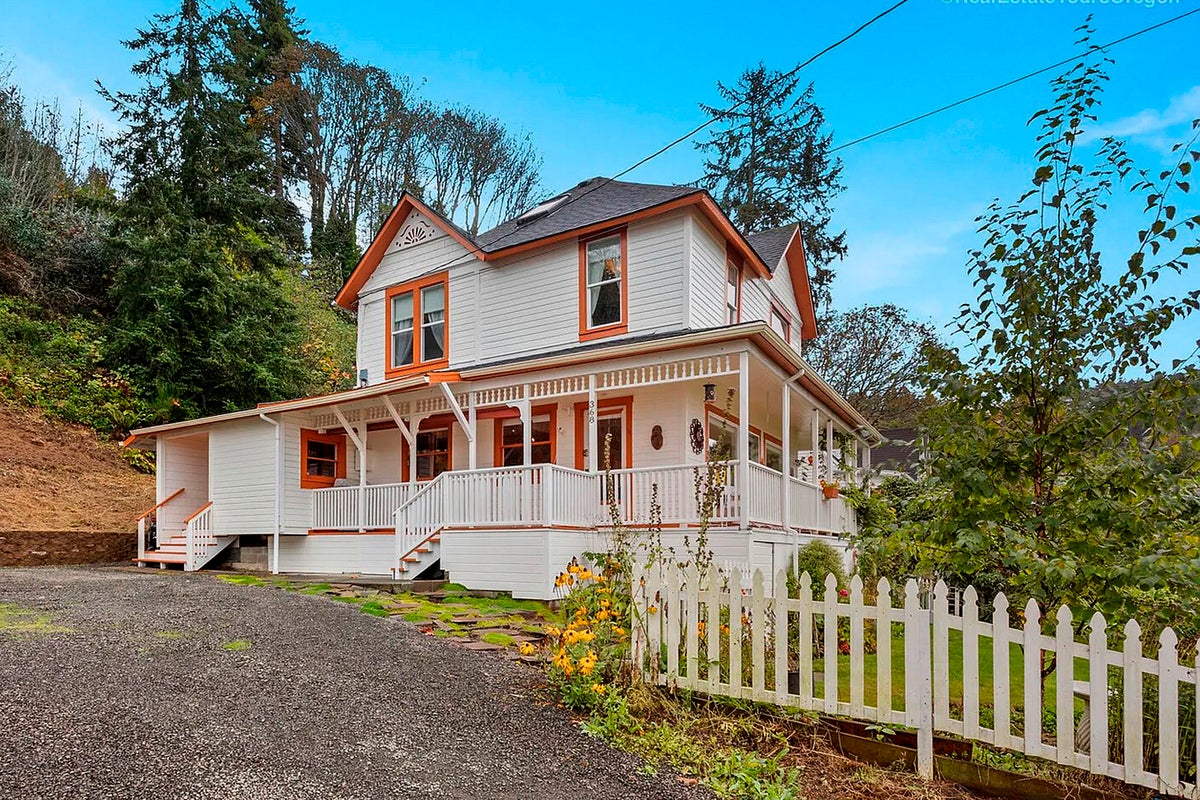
x=900 y=451
x=594 y=205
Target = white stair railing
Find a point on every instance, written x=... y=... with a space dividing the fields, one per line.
x=200 y=538
x=151 y=517
x=537 y=495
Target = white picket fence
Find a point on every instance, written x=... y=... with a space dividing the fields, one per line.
x=811 y=653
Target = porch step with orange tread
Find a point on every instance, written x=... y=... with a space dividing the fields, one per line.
x=165 y=558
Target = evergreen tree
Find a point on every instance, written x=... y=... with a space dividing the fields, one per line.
x=771 y=165
x=200 y=317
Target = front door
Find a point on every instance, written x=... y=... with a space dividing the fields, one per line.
x=614 y=425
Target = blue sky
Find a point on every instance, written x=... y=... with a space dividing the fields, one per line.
x=601 y=85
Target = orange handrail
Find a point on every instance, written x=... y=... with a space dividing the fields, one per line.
x=159 y=505
x=198 y=512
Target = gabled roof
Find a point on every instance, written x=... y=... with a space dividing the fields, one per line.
x=785 y=245
x=771 y=245
x=592 y=206
x=588 y=203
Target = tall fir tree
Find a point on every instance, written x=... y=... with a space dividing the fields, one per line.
x=200 y=317
x=770 y=165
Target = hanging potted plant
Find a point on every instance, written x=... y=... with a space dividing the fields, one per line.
x=830 y=490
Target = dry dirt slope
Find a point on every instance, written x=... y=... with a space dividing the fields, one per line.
x=57 y=476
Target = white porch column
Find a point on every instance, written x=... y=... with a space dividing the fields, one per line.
x=414 y=425
x=829 y=451
x=743 y=475
x=362 y=477
x=593 y=447
x=472 y=444
x=814 y=452
x=526 y=426
x=866 y=464
x=785 y=500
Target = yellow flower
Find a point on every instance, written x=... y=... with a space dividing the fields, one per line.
x=602 y=615
x=598 y=688
x=552 y=631
x=652 y=609
x=618 y=631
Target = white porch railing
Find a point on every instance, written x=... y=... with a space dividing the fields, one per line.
x=550 y=495
x=542 y=494
x=337 y=509
x=765 y=495
x=1137 y=710
x=200 y=538
x=634 y=491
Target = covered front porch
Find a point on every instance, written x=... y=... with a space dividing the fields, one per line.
x=583 y=448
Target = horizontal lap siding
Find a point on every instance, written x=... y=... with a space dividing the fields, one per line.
x=365 y=553
x=297 y=502
x=243 y=477
x=529 y=304
x=708 y=276
x=656 y=274
x=507 y=561
x=185 y=467
x=401 y=266
x=785 y=294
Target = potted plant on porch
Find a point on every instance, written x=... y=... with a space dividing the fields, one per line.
x=830 y=490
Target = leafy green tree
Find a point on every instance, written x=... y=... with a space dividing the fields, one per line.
x=201 y=321
x=1054 y=475
x=873 y=355
x=771 y=165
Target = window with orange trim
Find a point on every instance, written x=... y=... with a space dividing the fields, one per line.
x=781 y=322
x=510 y=438
x=603 y=286
x=433 y=453
x=323 y=459
x=733 y=292
x=417 y=324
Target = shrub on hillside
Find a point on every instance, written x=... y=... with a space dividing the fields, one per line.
x=54 y=364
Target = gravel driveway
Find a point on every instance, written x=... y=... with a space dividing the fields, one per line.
x=142 y=698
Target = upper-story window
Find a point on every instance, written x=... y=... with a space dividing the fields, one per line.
x=603 y=286
x=733 y=293
x=416 y=321
x=781 y=323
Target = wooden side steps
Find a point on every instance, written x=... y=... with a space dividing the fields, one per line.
x=422 y=556
x=171 y=551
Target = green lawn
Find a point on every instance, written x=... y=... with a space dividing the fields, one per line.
x=1016 y=674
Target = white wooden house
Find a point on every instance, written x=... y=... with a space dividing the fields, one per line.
x=493 y=372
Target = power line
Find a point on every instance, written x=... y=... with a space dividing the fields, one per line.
x=574 y=198
x=1012 y=82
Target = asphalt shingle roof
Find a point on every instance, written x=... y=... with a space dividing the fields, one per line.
x=771 y=245
x=592 y=201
